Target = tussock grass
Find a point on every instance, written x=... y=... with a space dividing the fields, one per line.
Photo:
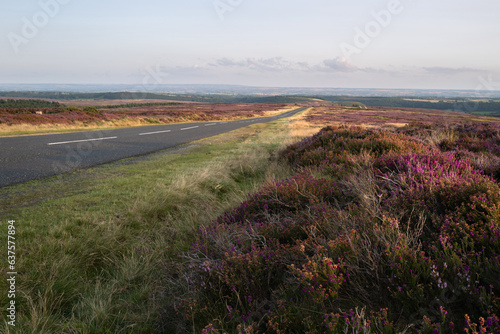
x=438 y=136
x=96 y=249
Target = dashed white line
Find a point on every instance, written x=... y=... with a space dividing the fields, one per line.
x=193 y=127
x=80 y=141
x=152 y=133
x=210 y=124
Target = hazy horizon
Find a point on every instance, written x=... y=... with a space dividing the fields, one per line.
x=368 y=44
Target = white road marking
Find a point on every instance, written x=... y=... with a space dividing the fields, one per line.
x=210 y=124
x=81 y=141
x=193 y=127
x=152 y=133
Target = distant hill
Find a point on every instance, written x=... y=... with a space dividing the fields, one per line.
x=473 y=105
x=249 y=90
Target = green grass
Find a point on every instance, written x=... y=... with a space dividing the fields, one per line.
x=93 y=247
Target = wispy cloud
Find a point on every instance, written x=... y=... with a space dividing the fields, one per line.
x=275 y=64
x=280 y=64
x=193 y=70
x=452 y=70
x=338 y=65
x=331 y=71
x=343 y=65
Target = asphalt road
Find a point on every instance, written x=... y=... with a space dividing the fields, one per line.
x=29 y=158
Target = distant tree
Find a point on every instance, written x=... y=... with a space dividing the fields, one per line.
x=24 y=103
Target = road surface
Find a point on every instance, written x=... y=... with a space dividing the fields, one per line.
x=29 y=158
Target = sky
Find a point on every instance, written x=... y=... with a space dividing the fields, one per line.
x=425 y=44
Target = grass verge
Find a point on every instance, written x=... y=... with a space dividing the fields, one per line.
x=93 y=247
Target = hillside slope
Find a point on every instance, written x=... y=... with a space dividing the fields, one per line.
x=378 y=231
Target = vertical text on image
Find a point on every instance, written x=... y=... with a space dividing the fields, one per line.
x=11 y=274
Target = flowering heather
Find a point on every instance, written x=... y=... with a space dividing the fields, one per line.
x=377 y=232
x=334 y=142
x=388 y=116
x=177 y=112
x=478 y=142
x=58 y=116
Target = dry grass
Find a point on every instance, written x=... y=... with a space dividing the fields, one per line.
x=397 y=125
x=436 y=137
x=278 y=111
x=299 y=127
x=20 y=129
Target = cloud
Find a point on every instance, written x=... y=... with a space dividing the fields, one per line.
x=275 y=64
x=339 y=65
x=282 y=65
x=194 y=70
x=451 y=70
x=279 y=64
x=226 y=62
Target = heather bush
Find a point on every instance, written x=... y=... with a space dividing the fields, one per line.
x=339 y=141
x=461 y=234
x=297 y=193
x=459 y=202
x=477 y=142
x=378 y=232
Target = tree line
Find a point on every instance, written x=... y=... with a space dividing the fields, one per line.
x=18 y=104
x=488 y=107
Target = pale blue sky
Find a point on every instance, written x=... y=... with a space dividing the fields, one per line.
x=421 y=44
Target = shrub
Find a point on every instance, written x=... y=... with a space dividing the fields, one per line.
x=377 y=232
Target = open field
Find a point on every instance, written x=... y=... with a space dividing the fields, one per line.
x=98 y=103
x=389 y=117
x=104 y=103
x=354 y=229
x=15 y=121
